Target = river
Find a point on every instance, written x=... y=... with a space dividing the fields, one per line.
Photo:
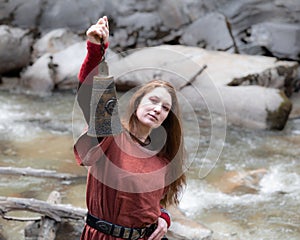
x=39 y=132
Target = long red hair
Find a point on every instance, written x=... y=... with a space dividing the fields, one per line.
x=173 y=149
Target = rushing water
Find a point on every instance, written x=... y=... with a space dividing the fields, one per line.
x=38 y=132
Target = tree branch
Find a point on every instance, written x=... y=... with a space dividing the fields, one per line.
x=37 y=173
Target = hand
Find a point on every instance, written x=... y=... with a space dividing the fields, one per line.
x=160 y=231
x=98 y=31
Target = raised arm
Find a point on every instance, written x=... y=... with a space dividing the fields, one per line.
x=97 y=35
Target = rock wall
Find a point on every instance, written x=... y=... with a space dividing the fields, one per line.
x=269 y=27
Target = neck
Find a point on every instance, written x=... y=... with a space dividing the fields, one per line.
x=141 y=132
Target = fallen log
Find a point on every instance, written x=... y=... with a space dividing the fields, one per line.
x=53 y=211
x=38 y=173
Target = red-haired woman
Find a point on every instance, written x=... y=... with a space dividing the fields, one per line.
x=132 y=175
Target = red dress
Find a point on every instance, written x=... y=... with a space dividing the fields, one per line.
x=126 y=181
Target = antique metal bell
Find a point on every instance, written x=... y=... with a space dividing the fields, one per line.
x=104 y=116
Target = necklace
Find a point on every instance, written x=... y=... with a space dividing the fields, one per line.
x=146 y=142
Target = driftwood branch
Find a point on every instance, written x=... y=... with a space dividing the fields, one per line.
x=53 y=211
x=20 y=219
x=189 y=82
x=49 y=226
x=37 y=173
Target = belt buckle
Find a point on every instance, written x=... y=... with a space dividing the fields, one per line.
x=104 y=226
x=136 y=235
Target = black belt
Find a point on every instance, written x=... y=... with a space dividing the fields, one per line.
x=117 y=230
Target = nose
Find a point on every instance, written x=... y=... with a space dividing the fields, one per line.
x=157 y=108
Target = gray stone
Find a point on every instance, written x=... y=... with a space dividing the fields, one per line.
x=282 y=39
x=210 y=32
x=243 y=15
x=54 y=41
x=15 y=48
x=172 y=13
x=185 y=228
x=37 y=78
x=59 y=69
x=152 y=22
x=27 y=13
x=69 y=61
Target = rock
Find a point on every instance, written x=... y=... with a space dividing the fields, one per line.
x=283 y=77
x=68 y=14
x=191 y=229
x=253 y=107
x=241 y=182
x=37 y=78
x=69 y=62
x=212 y=90
x=54 y=41
x=58 y=70
x=209 y=32
x=246 y=16
x=48 y=15
x=172 y=15
x=281 y=39
x=140 y=25
x=295 y=99
x=24 y=14
x=151 y=22
x=15 y=48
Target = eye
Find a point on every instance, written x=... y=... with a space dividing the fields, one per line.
x=166 y=108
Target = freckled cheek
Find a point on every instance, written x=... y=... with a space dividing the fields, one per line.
x=142 y=112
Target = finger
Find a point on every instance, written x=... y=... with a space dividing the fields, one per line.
x=106 y=31
x=100 y=21
x=156 y=235
x=107 y=24
x=103 y=20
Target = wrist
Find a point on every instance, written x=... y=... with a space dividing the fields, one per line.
x=95 y=49
x=164 y=214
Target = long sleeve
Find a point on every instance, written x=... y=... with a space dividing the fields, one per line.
x=87 y=71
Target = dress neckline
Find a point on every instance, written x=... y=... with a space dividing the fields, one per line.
x=144 y=144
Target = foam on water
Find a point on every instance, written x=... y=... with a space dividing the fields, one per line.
x=280 y=179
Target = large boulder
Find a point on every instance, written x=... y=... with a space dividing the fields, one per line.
x=209 y=32
x=58 y=70
x=257 y=105
x=37 y=78
x=265 y=27
x=281 y=39
x=54 y=41
x=15 y=48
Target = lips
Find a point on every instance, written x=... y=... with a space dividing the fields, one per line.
x=152 y=116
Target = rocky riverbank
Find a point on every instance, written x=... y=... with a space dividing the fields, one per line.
x=43 y=44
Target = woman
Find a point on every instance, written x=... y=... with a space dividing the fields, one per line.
x=134 y=174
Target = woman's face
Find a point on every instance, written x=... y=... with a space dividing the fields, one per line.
x=154 y=107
